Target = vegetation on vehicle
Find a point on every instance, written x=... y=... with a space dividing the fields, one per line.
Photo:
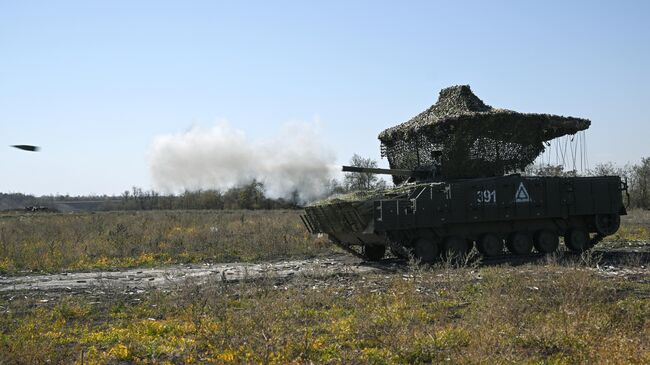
x=461 y=137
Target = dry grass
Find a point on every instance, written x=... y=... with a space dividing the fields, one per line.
x=531 y=314
x=635 y=230
x=54 y=242
x=554 y=313
x=82 y=241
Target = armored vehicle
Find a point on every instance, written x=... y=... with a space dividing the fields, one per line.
x=458 y=183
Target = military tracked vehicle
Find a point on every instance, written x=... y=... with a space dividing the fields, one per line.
x=458 y=184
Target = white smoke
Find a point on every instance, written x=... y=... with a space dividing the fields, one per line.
x=222 y=157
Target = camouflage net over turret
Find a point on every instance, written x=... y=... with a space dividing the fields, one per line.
x=462 y=137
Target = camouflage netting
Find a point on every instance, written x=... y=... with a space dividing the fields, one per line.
x=462 y=137
x=360 y=195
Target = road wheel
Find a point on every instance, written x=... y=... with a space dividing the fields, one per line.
x=520 y=243
x=607 y=224
x=490 y=245
x=577 y=240
x=426 y=250
x=546 y=241
x=373 y=252
x=399 y=252
x=456 y=247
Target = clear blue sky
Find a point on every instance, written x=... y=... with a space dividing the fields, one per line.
x=93 y=82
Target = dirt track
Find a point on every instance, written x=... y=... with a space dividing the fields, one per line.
x=610 y=262
x=143 y=279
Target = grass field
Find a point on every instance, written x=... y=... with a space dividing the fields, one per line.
x=544 y=313
x=635 y=230
x=529 y=314
x=55 y=242
x=82 y=241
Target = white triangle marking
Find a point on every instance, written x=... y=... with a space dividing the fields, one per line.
x=521 y=196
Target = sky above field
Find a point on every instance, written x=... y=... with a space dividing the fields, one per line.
x=97 y=83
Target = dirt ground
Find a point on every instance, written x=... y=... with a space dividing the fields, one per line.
x=561 y=308
x=624 y=261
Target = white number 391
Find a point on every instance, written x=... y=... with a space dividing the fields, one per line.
x=486 y=196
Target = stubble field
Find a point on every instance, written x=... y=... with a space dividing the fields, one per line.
x=558 y=310
x=52 y=242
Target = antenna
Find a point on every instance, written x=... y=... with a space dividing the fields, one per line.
x=568 y=151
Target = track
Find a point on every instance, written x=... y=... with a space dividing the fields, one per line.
x=624 y=257
x=139 y=280
x=164 y=277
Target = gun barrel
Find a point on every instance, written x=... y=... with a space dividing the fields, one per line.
x=370 y=170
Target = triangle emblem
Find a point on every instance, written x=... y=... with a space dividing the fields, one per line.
x=521 y=196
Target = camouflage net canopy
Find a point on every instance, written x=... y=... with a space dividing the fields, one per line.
x=461 y=137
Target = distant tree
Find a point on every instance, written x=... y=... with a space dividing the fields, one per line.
x=611 y=169
x=295 y=197
x=362 y=180
x=334 y=186
x=549 y=170
x=212 y=199
x=251 y=196
x=604 y=169
x=640 y=184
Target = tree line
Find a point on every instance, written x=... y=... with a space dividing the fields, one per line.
x=253 y=196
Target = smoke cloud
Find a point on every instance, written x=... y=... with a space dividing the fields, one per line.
x=222 y=157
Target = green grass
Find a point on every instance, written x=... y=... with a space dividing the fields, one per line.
x=531 y=314
x=55 y=242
